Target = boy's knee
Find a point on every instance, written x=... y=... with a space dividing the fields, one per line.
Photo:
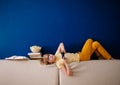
x=89 y=40
x=95 y=44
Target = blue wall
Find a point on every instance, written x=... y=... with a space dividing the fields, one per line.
x=48 y=22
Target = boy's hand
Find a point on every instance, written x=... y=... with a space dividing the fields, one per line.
x=70 y=73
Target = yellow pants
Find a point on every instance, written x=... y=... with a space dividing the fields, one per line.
x=90 y=47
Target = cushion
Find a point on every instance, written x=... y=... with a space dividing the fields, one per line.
x=28 y=72
x=93 y=72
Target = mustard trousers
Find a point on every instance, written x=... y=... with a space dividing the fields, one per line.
x=90 y=47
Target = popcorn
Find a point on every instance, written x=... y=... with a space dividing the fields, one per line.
x=35 y=49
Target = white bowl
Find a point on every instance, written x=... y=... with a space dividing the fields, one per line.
x=35 y=49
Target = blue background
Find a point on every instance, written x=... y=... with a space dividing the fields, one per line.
x=46 y=23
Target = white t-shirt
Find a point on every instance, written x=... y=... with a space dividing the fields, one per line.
x=71 y=57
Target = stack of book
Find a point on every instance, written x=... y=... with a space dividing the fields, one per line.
x=33 y=55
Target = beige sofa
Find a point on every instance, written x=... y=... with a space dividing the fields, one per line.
x=30 y=72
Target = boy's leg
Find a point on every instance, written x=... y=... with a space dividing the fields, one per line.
x=87 y=50
x=99 y=48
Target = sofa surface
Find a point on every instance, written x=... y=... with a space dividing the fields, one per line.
x=94 y=72
x=27 y=73
x=31 y=72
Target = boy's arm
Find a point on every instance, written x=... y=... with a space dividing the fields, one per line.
x=66 y=69
x=60 y=48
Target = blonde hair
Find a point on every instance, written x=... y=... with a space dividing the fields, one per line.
x=43 y=61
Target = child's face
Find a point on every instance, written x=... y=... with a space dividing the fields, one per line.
x=49 y=58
